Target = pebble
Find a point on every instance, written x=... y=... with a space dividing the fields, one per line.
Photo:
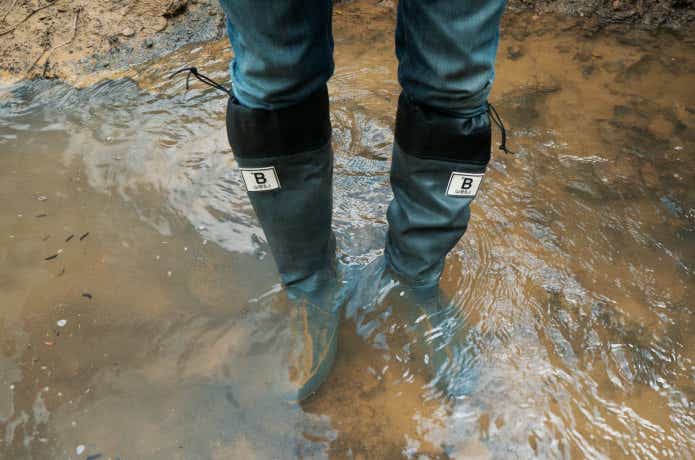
x=127 y=32
x=514 y=52
x=62 y=322
x=79 y=450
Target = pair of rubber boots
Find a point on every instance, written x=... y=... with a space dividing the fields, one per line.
x=286 y=163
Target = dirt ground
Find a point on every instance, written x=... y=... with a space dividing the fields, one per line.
x=61 y=38
x=68 y=38
x=674 y=14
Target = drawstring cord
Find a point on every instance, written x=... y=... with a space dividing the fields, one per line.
x=495 y=117
x=492 y=112
x=204 y=78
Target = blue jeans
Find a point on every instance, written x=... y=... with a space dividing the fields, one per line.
x=284 y=51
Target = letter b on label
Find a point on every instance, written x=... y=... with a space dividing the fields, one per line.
x=260 y=179
x=463 y=184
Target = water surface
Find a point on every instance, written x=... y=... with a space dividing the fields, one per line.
x=149 y=335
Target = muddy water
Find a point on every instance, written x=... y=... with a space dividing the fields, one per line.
x=147 y=335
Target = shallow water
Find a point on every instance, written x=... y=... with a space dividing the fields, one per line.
x=574 y=281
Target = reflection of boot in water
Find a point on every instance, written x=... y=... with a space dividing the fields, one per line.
x=298 y=331
x=286 y=163
x=438 y=165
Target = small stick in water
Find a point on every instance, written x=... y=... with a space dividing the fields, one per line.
x=84 y=236
x=51 y=257
x=87 y=295
x=69 y=238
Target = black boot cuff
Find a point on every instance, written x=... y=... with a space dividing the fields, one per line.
x=257 y=133
x=426 y=133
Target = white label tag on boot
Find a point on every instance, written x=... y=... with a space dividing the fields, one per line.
x=463 y=184
x=260 y=179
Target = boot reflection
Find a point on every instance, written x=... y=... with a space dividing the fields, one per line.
x=304 y=324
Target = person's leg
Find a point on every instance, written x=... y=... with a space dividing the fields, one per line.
x=279 y=130
x=283 y=50
x=446 y=51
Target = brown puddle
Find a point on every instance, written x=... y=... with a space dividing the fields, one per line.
x=575 y=278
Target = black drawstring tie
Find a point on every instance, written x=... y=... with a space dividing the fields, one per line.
x=495 y=117
x=492 y=112
x=205 y=79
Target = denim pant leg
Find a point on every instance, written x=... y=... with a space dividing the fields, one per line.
x=283 y=50
x=446 y=51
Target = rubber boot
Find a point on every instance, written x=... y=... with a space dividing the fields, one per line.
x=286 y=163
x=437 y=168
x=438 y=165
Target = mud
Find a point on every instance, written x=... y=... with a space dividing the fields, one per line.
x=69 y=39
x=649 y=14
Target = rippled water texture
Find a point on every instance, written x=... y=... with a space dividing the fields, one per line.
x=144 y=338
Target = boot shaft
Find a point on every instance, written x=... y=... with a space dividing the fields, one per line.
x=438 y=166
x=286 y=162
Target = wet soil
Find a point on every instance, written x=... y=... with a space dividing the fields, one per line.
x=671 y=14
x=67 y=39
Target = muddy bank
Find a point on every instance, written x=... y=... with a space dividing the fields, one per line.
x=674 y=14
x=68 y=38
x=87 y=40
